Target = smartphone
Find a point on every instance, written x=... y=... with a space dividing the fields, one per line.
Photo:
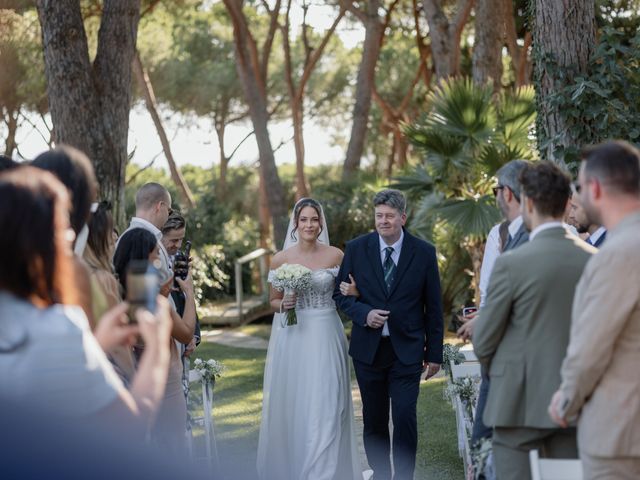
x=143 y=286
x=181 y=264
x=469 y=310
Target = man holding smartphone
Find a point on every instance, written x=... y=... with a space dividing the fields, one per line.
x=173 y=233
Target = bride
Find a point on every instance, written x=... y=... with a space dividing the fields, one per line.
x=307 y=430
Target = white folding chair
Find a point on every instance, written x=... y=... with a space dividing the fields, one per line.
x=469 y=354
x=467 y=369
x=554 y=469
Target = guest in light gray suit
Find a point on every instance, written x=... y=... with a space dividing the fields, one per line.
x=600 y=381
x=523 y=330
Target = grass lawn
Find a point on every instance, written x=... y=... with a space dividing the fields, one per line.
x=437 y=438
x=237 y=407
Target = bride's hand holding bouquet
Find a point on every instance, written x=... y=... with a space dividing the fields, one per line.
x=291 y=279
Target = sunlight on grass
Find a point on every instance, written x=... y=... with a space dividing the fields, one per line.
x=238 y=403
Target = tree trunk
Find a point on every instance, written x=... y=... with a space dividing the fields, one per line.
x=364 y=85
x=564 y=39
x=302 y=189
x=12 y=128
x=254 y=92
x=264 y=215
x=150 y=100
x=90 y=104
x=487 y=49
x=224 y=161
x=445 y=35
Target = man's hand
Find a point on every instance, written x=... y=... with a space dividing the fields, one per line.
x=190 y=348
x=431 y=369
x=465 y=332
x=376 y=318
x=555 y=408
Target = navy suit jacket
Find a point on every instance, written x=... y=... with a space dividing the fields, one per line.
x=414 y=300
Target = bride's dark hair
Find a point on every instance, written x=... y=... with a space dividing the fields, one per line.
x=305 y=202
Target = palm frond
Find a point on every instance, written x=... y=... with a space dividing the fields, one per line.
x=463 y=110
x=471 y=217
x=517 y=114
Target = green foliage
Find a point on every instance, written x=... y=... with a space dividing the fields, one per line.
x=22 y=80
x=347 y=206
x=220 y=231
x=603 y=104
x=466 y=136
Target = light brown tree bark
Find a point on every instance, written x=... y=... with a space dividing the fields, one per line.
x=252 y=72
x=565 y=34
x=89 y=102
x=520 y=59
x=364 y=86
x=297 y=92
x=12 y=128
x=445 y=35
x=489 y=38
x=142 y=78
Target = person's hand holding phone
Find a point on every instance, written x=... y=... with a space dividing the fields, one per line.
x=114 y=329
x=186 y=286
x=468 y=317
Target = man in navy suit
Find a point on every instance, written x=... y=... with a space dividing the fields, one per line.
x=397 y=330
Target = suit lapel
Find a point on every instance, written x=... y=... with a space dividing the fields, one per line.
x=373 y=254
x=406 y=255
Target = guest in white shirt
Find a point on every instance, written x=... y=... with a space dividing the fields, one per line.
x=153 y=207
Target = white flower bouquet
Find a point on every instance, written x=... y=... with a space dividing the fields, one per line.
x=291 y=278
x=209 y=370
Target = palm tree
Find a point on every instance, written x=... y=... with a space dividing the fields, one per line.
x=467 y=134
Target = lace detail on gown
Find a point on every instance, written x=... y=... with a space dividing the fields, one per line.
x=321 y=292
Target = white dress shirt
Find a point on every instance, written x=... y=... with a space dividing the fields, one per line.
x=395 y=256
x=491 y=253
x=595 y=236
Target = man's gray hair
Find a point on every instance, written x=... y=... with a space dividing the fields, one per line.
x=391 y=198
x=509 y=175
x=149 y=195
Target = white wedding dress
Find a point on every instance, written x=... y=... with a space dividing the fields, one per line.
x=307 y=430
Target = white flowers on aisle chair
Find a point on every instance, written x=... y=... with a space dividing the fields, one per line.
x=206 y=372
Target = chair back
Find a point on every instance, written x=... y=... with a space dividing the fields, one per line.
x=554 y=469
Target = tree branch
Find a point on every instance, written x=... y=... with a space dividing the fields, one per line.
x=247 y=136
x=306 y=74
x=268 y=43
x=350 y=7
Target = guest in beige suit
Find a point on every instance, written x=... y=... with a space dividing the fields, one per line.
x=523 y=330
x=600 y=381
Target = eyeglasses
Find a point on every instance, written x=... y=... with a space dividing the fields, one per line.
x=497 y=189
x=576 y=186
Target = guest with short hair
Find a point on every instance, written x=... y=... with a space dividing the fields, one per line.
x=598 y=380
x=523 y=330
